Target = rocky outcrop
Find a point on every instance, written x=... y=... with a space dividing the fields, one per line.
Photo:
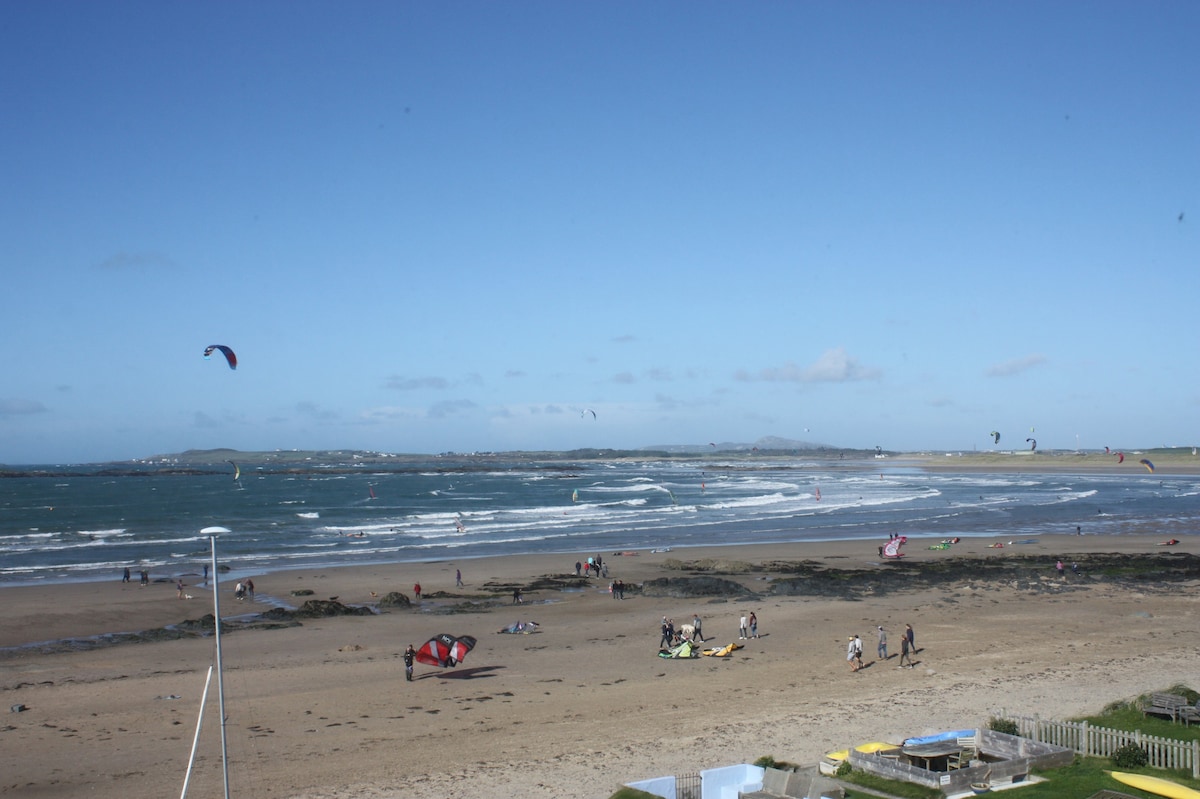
x=395 y=599
x=695 y=587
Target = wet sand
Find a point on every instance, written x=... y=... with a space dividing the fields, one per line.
x=322 y=709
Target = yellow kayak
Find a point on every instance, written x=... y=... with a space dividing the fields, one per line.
x=831 y=761
x=1158 y=785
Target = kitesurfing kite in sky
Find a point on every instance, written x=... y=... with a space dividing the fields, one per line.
x=229 y=356
x=1149 y=466
x=995 y=437
x=445 y=650
x=586 y=411
x=1032 y=442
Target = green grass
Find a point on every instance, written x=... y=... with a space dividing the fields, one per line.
x=1080 y=780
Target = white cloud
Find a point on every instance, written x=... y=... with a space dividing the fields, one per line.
x=1015 y=366
x=401 y=383
x=833 y=366
x=20 y=407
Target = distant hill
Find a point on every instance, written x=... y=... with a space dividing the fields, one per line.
x=764 y=444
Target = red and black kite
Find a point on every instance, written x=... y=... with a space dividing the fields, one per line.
x=445 y=650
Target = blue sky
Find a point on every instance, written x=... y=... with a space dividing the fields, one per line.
x=455 y=226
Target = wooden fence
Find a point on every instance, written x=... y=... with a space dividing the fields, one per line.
x=1091 y=741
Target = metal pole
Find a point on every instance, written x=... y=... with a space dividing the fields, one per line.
x=196 y=740
x=220 y=671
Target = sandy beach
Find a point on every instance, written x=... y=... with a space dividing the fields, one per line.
x=584 y=704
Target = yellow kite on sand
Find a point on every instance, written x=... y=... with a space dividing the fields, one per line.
x=721 y=651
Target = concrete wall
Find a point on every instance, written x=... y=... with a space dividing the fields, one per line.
x=659 y=786
x=727 y=782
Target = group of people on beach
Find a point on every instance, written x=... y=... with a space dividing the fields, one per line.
x=908 y=646
x=672 y=635
x=594 y=564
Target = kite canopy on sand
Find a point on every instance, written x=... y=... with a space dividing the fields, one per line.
x=445 y=650
x=892 y=548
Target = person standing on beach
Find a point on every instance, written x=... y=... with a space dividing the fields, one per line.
x=206 y=574
x=517 y=600
x=1059 y=567
x=417 y=591
x=753 y=624
x=881 y=650
x=409 y=655
x=250 y=589
x=905 y=653
x=179 y=589
x=668 y=631
x=125 y=577
x=911 y=637
x=145 y=574
x=851 y=652
x=742 y=631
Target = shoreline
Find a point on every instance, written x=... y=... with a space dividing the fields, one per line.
x=321 y=710
x=131 y=608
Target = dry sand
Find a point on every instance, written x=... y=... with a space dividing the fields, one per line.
x=323 y=710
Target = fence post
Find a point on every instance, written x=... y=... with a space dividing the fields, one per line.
x=1083 y=745
x=1196 y=759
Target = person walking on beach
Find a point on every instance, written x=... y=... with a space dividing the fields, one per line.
x=851 y=654
x=179 y=589
x=458 y=578
x=250 y=589
x=517 y=600
x=905 y=653
x=742 y=628
x=753 y=624
x=668 y=632
x=125 y=577
x=409 y=655
x=696 y=628
x=911 y=637
x=145 y=574
x=881 y=650
x=206 y=574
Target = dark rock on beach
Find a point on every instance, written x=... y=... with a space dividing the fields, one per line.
x=316 y=609
x=395 y=599
x=695 y=587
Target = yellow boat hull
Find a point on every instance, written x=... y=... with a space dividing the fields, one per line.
x=1144 y=782
x=831 y=761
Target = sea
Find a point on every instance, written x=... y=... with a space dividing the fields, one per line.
x=88 y=523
